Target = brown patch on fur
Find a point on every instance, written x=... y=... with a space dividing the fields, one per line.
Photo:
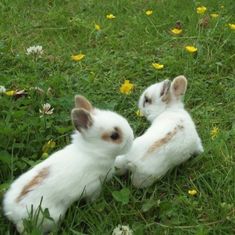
x=106 y=136
x=159 y=143
x=38 y=179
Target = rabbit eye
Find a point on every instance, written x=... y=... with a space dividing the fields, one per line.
x=114 y=136
x=147 y=100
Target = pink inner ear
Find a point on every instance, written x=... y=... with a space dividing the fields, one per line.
x=179 y=85
x=82 y=102
x=81 y=119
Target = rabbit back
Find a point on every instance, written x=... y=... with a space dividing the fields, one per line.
x=53 y=183
x=170 y=140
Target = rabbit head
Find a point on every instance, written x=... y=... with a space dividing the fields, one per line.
x=161 y=96
x=103 y=131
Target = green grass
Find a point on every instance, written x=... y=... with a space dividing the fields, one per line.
x=125 y=48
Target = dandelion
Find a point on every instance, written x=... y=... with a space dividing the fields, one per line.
x=10 y=93
x=201 y=10
x=122 y=230
x=214 y=132
x=34 y=50
x=192 y=192
x=126 y=87
x=46 y=109
x=47 y=146
x=45 y=155
x=158 y=66
x=214 y=15
x=191 y=49
x=2 y=89
x=149 y=12
x=232 y=26
x=97 y=27
x=110 y=16
x=77 y=57
x=139 y=113
x=176 y=31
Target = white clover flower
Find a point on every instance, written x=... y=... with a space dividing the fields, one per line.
x=2 y=89
x=122 y=230
x=37 y=89
x=46 y=109
x=35 y=50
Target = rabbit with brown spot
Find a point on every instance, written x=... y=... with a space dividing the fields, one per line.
x=171 y=139
x=76 y=171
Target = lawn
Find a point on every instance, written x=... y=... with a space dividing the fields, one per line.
x=119 y=49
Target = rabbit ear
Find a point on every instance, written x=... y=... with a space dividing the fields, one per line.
x=165 y=94
x=82 y=102
x=179 y=86
x=81 y=119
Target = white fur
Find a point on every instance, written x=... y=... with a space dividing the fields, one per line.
x=76 y=171
x=165 y=118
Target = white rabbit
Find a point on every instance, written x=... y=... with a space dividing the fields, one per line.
x=170 y=140
x=76 y=171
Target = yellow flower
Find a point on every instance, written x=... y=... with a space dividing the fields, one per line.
x=47 y=146
x=191 y=49
x=176 y=31
x=110 y=16
x=77 y=57
x=158 y=66
x=149 y=12
x=214 y=15
x=214 y=132
x=139 y=113
x=201 y=10
x=126 y=87
x=232 y=26
x=45 y=155
x=51 y=144
x=192 y=192
x=97 y=27
x=10 y=93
